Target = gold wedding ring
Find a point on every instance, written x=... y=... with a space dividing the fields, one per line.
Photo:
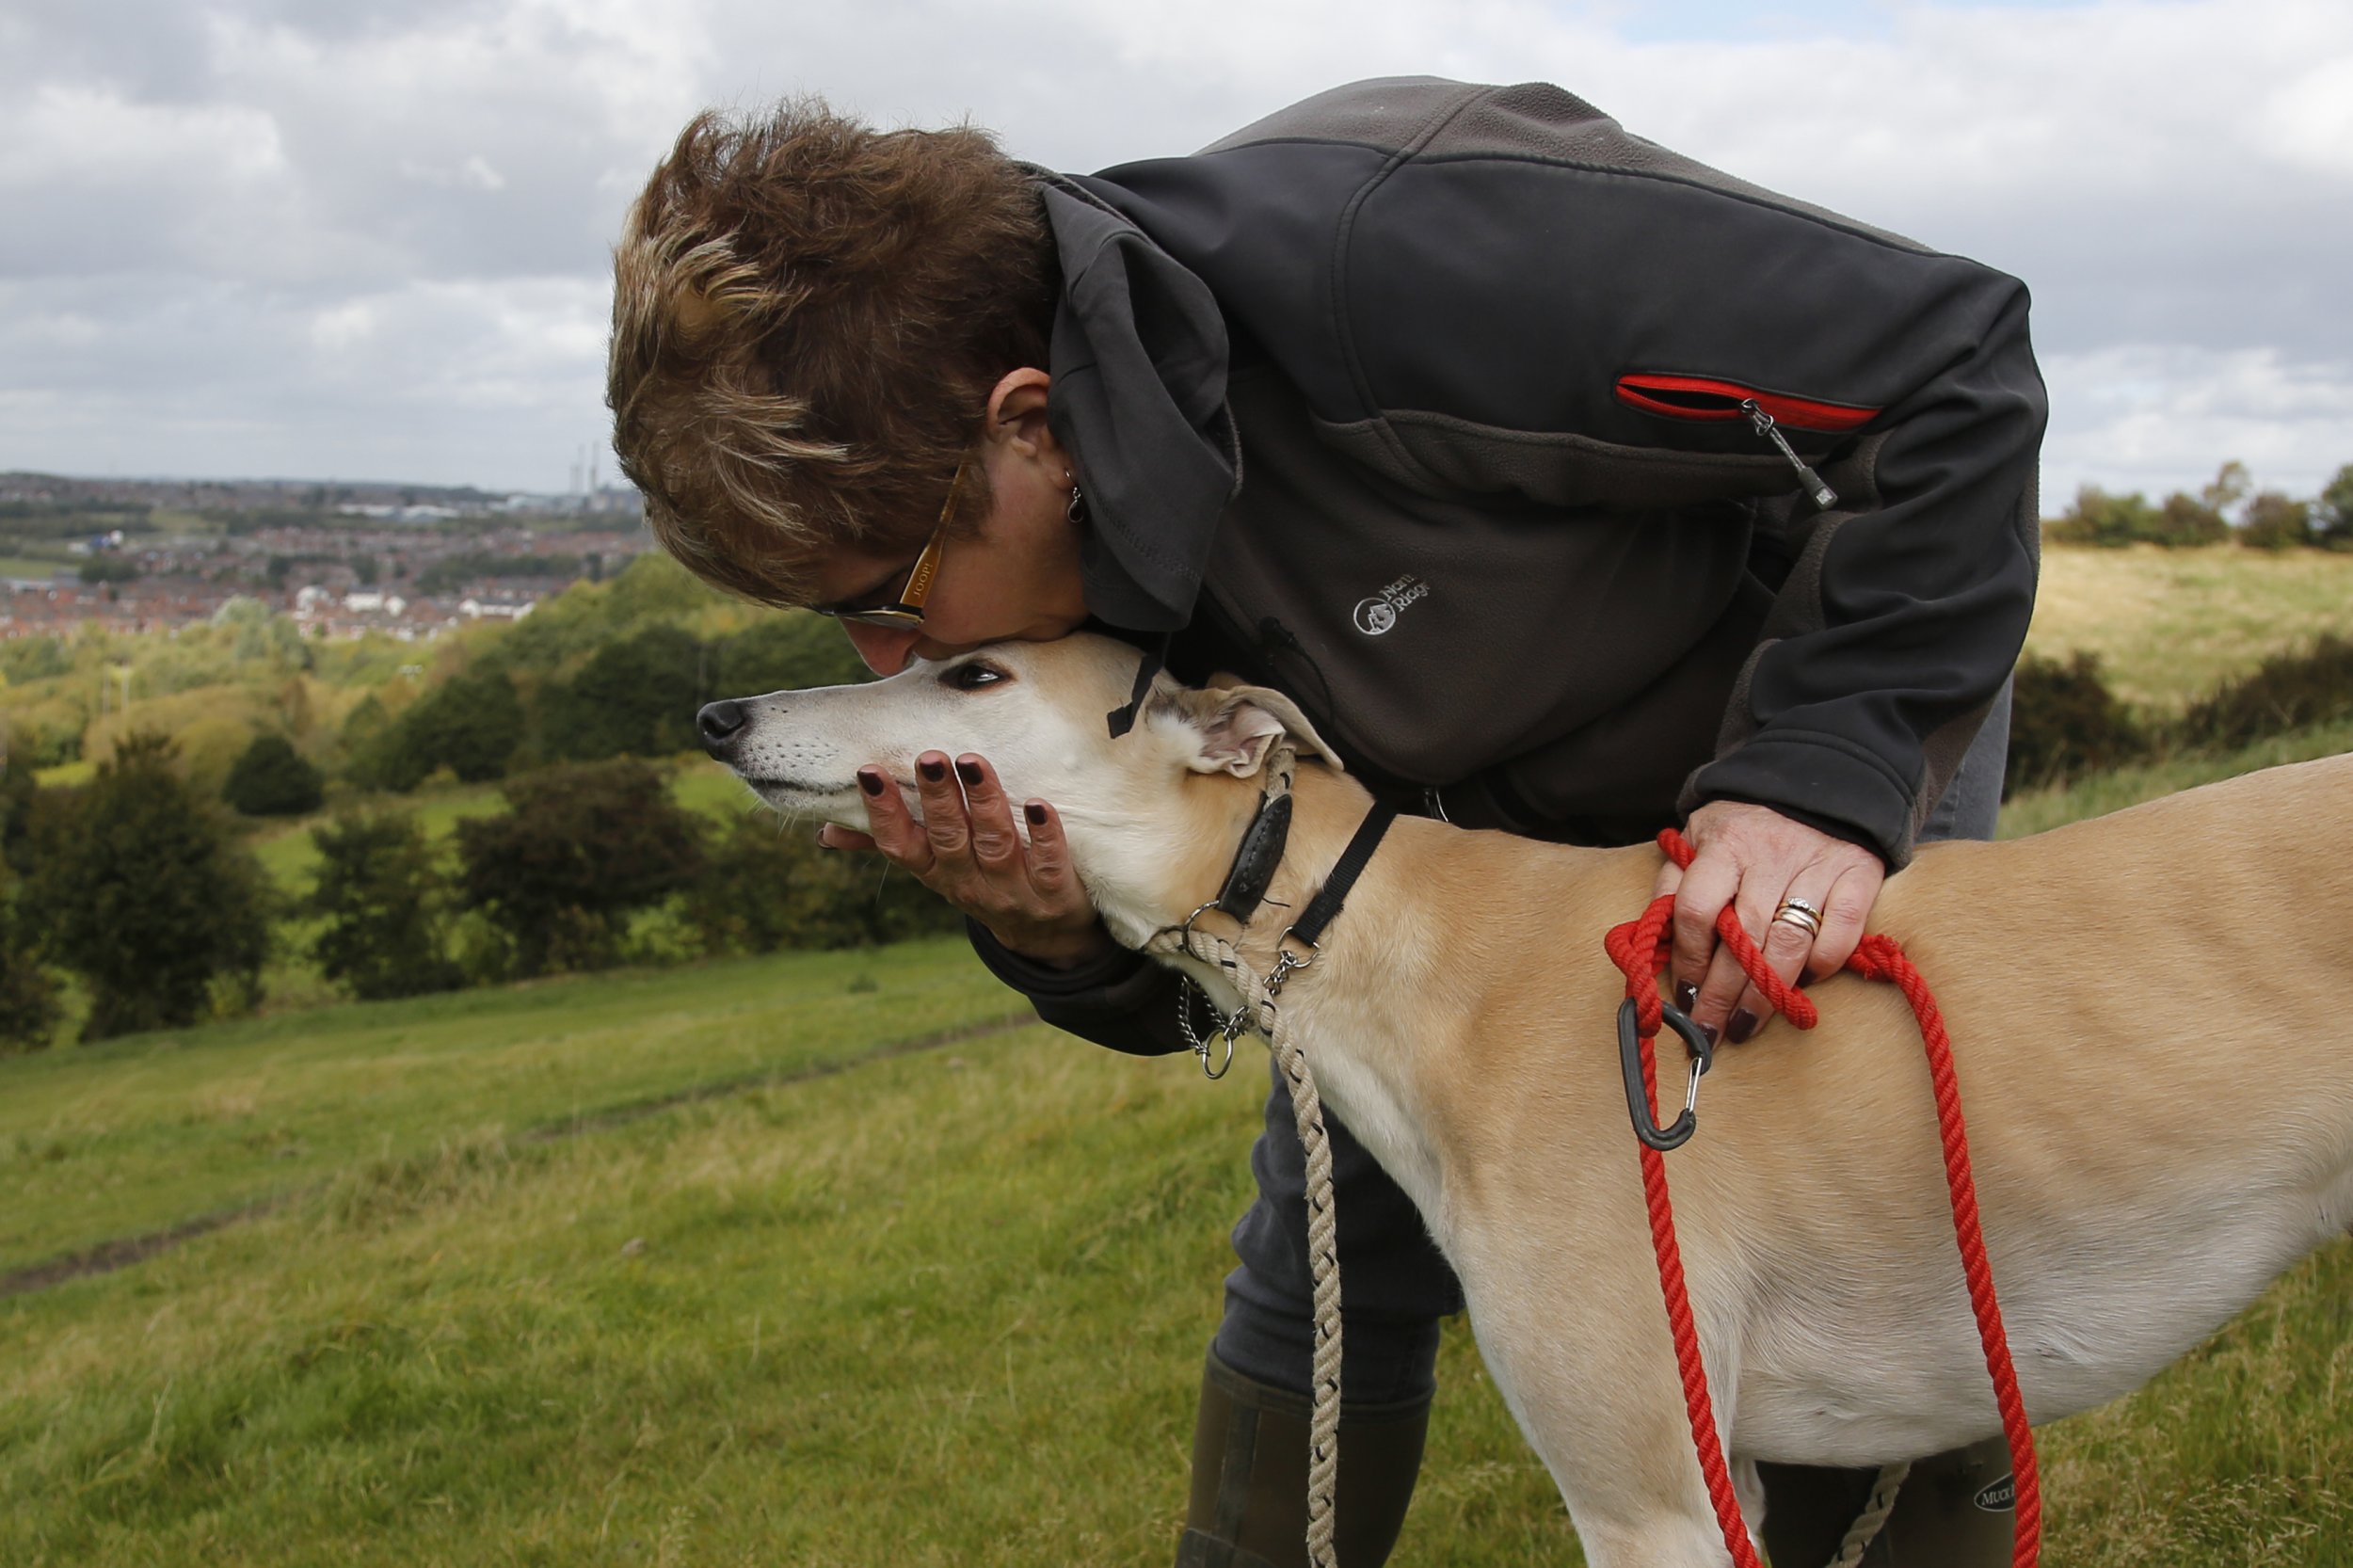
x=1796 y=912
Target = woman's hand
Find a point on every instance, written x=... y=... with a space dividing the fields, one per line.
x=969 y=851
x=1753 y=858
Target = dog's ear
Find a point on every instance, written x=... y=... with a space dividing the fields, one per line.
x=1234 y=727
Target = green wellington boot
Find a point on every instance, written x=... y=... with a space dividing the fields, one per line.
x=1952 y=1511
x=1249 y=1502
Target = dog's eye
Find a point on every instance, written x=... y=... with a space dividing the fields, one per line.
x=972 y=677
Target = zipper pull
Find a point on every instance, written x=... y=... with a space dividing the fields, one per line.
x=1823 y=497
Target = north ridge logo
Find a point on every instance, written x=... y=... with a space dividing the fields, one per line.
x=1376 y=615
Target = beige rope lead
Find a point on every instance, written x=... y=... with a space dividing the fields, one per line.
x=1323 y=1250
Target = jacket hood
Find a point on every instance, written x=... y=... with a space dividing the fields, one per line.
x=1138 y=361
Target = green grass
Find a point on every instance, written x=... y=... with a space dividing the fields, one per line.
x=30 y=566
x=2035 y=811
x=138 y=1135
x=945 y=1310
x=2170 y=625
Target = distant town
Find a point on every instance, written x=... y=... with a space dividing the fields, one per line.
x=410 y=560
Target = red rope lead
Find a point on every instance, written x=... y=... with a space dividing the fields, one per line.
x=1640 y=948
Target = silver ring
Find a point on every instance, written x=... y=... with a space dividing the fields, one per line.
x=1796 y=912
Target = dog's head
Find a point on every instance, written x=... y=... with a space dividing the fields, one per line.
x=1036 y=711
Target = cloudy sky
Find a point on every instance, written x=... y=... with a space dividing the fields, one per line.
x=367 y=238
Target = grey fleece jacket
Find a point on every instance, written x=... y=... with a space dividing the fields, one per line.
x=1459 y=414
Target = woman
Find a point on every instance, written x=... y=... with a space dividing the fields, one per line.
x=1570 y=486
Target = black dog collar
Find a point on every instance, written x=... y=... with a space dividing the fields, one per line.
x=1255 y=861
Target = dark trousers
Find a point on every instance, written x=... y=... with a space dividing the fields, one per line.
x=1397 y=1286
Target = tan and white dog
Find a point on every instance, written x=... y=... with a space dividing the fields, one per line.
x=2147 y=1011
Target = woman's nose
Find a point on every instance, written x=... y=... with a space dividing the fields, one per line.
x=885 y=648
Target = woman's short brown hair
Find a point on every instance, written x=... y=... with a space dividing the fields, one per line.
x=808 y=317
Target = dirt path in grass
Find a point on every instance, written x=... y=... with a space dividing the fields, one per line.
x=110 y=1255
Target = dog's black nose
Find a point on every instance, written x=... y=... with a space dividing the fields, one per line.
x=719 y=723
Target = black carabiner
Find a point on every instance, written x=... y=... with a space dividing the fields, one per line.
x=1646 y=1126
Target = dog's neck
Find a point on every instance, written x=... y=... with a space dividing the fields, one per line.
x=1152 y=873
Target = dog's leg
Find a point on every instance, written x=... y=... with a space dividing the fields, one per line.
x=1589 y=1376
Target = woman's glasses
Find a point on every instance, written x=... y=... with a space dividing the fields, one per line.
x=906 y=611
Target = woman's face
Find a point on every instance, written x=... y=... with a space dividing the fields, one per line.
x=1016 y=577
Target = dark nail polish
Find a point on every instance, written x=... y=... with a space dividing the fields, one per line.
x=933 y=772
x=1743 y=1024
x=969 y=772
x=1036 y=811
x=1707 y=1032
x=870 y=780
x=1685 y=993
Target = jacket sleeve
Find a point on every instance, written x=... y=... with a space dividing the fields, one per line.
x=1122 y=999
x=1905 y=611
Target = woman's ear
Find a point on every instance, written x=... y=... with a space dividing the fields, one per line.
x=1017 y=410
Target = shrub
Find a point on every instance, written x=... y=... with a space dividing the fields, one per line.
x=29 y=997
x=2097 y=518
x=143 y=894
x=2185 y=523
x=382 y=898
x=582 y=848
x=2063 y=721
x=2290 y=691
x=766 y=885
x=270 y=779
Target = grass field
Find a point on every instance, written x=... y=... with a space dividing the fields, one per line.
x=2169 y=625
x=819 y=1260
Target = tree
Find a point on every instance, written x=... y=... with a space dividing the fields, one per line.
x=2333 y=513
x=383 y=899
x=29 y=997
x=636 y=696
x=469 y=724
x=270 y=779
x=144 y=894
x=765 y=887
x=2184 y=522
x=788 y=651
x=2228 y=487
x=582 y=848
x=2274 y=523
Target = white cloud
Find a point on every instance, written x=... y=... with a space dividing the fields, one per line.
x=2162 y=418
x=321 y=237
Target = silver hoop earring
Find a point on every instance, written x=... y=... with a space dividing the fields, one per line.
x=1077 y=511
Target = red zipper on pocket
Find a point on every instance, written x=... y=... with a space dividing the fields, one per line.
x=1700 y=397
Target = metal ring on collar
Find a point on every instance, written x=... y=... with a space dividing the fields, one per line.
x=1799 y=913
